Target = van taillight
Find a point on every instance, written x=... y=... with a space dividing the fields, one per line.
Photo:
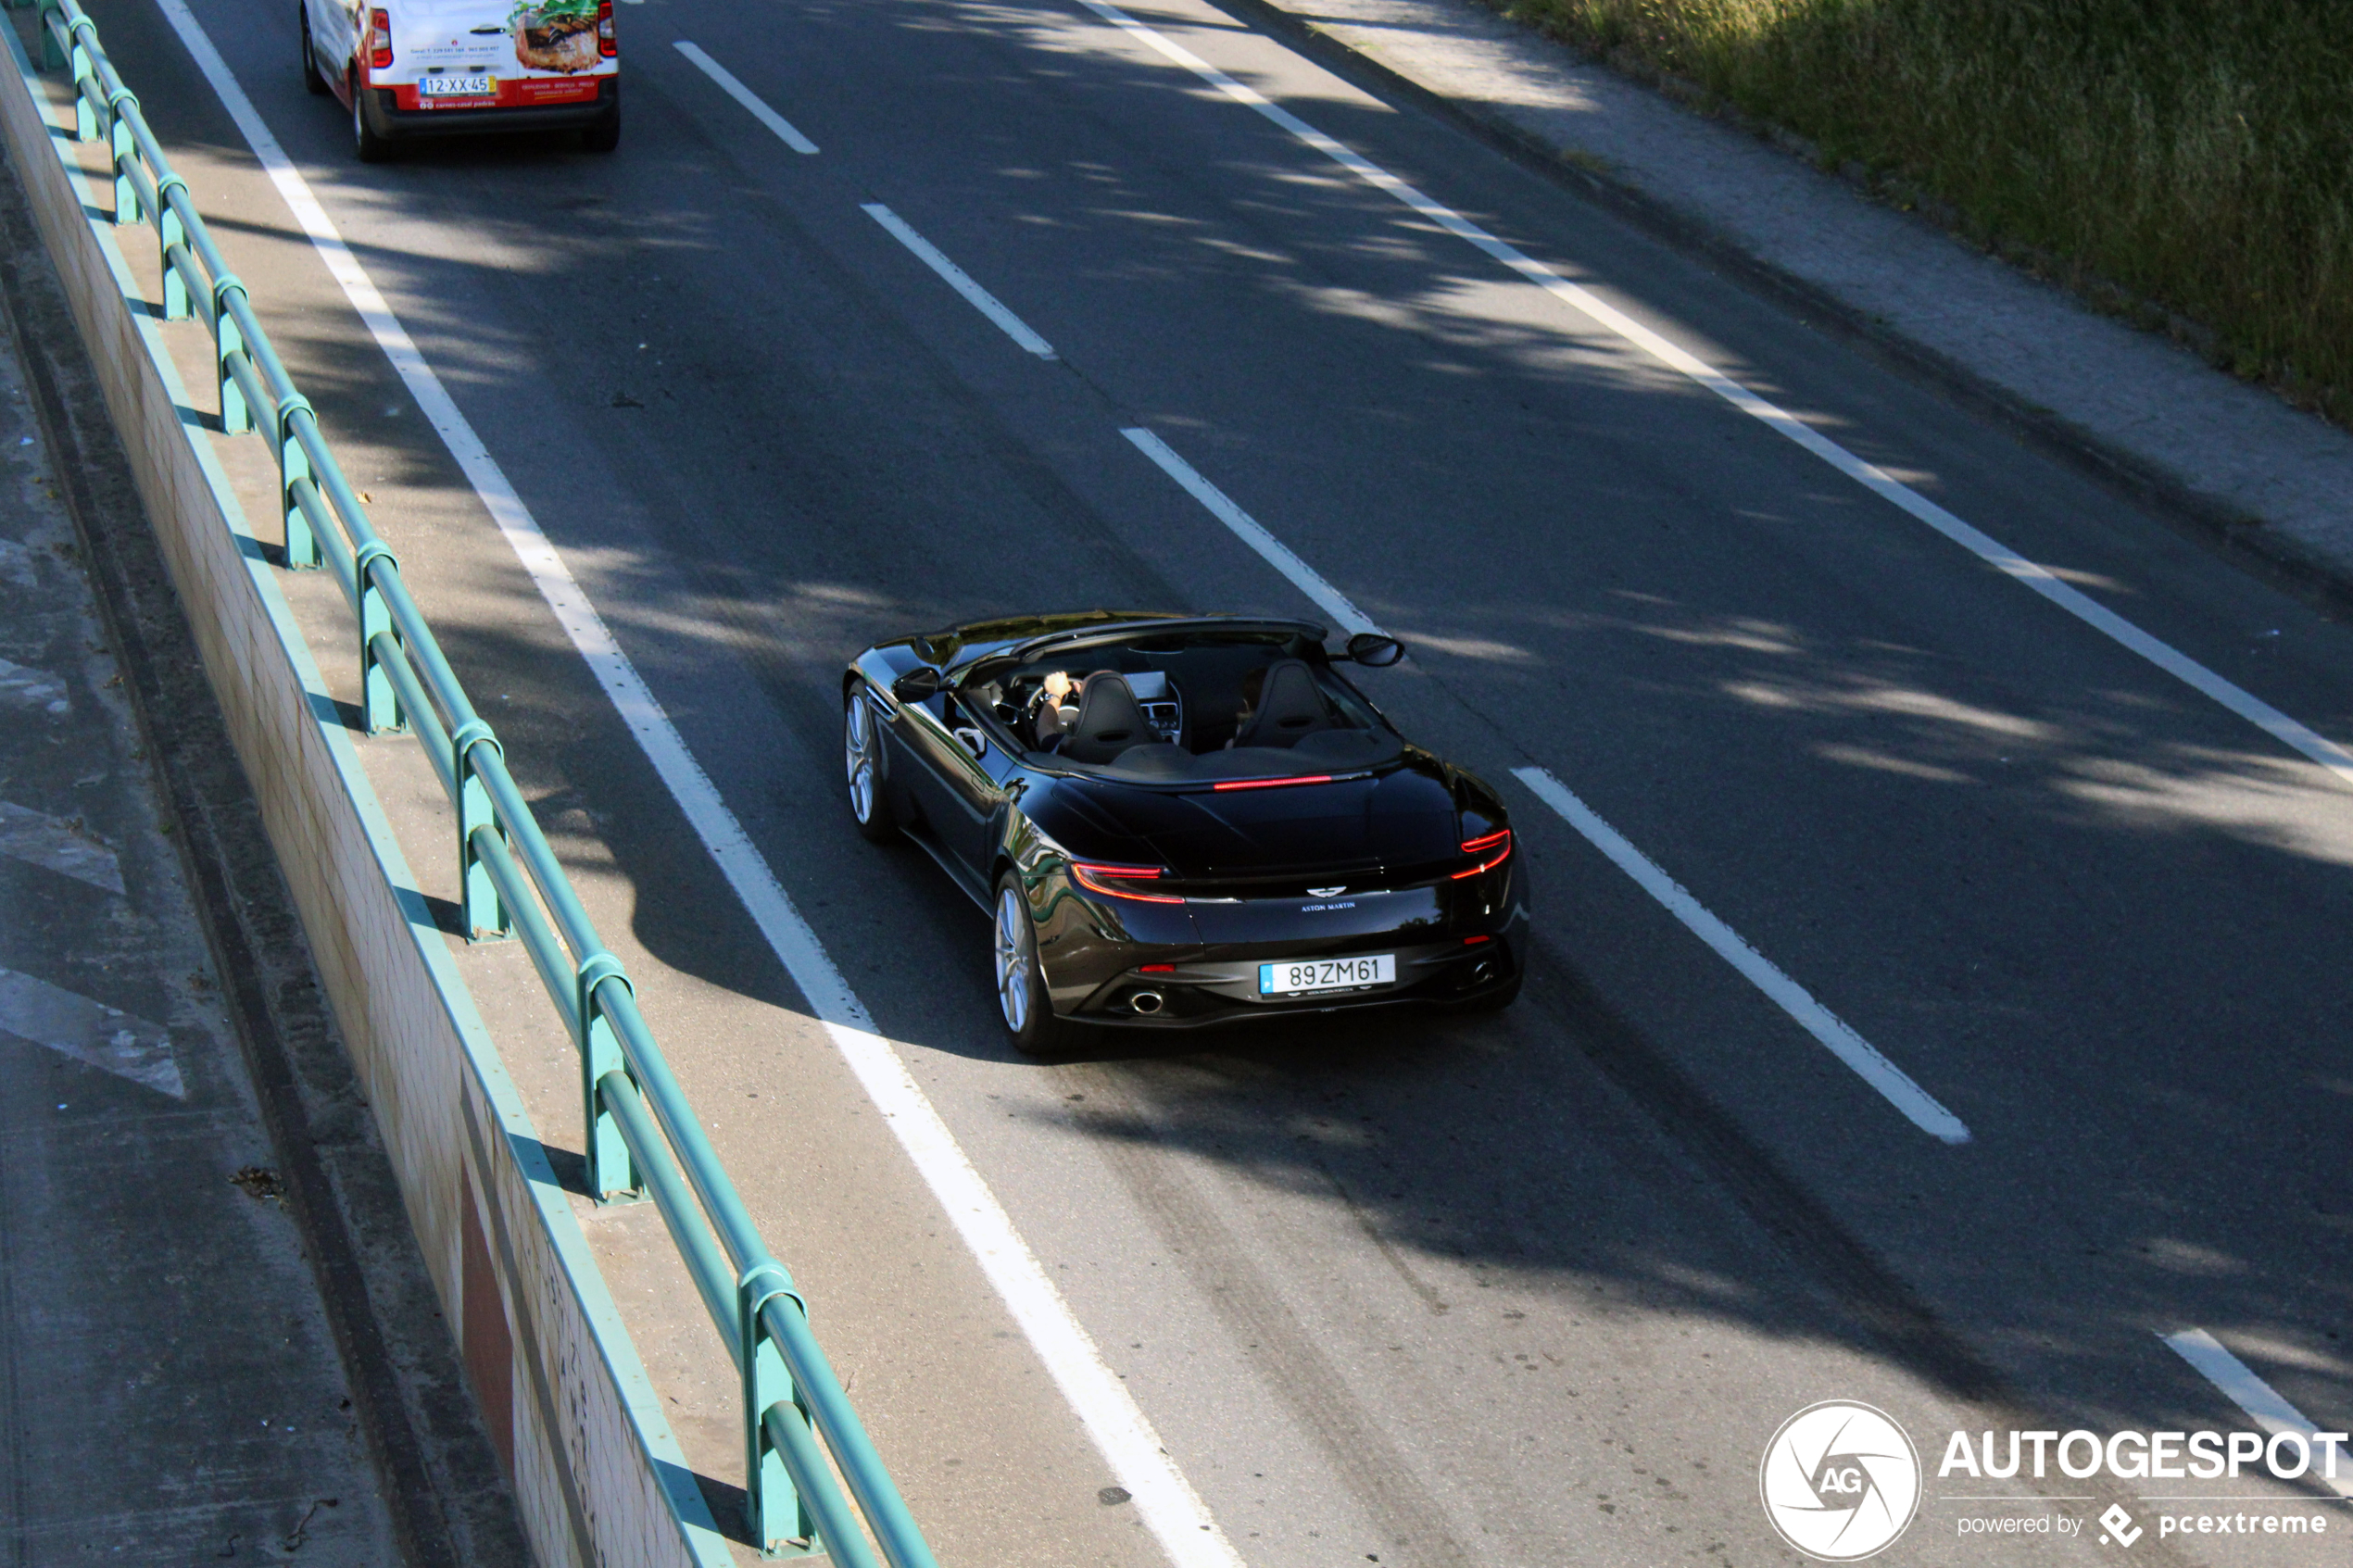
x=379 y=40
x=607 y=44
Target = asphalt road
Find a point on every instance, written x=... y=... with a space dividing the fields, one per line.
x=1520 y=1291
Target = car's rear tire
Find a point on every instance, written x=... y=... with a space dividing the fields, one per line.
x=863 y=762
x=370 y=146
x=604 y=135
x=311 y=79
x=1022 y=1000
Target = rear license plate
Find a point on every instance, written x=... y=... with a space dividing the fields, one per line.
x=457 y=86
x=1301 y=976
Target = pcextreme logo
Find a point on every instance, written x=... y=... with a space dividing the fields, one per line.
x=1840 y=1481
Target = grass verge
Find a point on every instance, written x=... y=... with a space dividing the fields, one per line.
x=2194 y=157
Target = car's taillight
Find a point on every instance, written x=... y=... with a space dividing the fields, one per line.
x=607 y=44
x=1117 y=881
x=379 y=40
x=1486 y=852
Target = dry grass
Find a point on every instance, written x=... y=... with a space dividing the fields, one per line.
x=2195 y=154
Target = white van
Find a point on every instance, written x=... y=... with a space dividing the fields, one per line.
x=444 y=67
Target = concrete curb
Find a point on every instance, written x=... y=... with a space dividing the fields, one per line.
x=598 y=1473
x=2239 y=532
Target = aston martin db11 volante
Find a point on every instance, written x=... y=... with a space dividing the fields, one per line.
x=1184 y=820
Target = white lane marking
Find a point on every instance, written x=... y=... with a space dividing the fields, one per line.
x=2254 y=709
x=2251 y=1394
x=92 y=1033
x=958 y=279
x=1169 y=1506
x=1246 y=529
x=1917 y=1104
x=28 y=687
x=42 y=840
x=751 y=100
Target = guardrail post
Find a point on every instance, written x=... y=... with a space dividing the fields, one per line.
x=379 y=698
x=483 y=914
x=611 y=1174
x=126 y=153
x=52 y=56
x=227 y=340
x=170 y=231
x=85 y=119
x=302 y=546
x=780 y=1524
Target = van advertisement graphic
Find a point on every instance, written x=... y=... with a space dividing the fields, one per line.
x=535 y=52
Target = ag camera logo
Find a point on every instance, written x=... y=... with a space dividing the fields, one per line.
x=1840 y=1481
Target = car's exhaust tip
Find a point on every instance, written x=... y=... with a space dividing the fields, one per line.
x=1146 y=1002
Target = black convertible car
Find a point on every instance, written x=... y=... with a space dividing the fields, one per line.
x=1184 y=820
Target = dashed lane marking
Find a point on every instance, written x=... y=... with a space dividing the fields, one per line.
x=2257 y=1398
x=1918 y=1106
x=1246 y=528
x=956 y=278
x=1836 y=1035
x=785 y=131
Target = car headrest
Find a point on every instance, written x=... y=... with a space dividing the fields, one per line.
x=1109 y=720
x=1289 y=705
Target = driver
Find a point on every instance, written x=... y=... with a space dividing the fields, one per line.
x=1053 y=709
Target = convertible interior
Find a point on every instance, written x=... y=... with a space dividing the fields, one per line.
x=1176 y=709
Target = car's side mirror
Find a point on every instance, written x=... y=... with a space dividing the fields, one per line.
x=1375 y=651
x=919 y=684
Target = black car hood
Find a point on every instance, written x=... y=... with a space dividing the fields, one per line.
x=1404 y=816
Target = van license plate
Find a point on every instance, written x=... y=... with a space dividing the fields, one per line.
x=457 y=86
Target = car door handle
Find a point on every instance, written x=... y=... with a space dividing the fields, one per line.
x=975 y=742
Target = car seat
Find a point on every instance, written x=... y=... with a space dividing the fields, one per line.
x=1288 y=705
x=1109 y=720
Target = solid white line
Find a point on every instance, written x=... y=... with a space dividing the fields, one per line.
x=751 y=100
x=2254 y=709
x=2251 y=1394
x=1246 y=528
x=1166 y=1499
x=1917 y=1104
x=958 y=279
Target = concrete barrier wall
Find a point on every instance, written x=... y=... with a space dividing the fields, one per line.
x=598 y=1474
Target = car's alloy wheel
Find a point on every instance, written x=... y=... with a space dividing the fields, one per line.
x=861 y=760
x=1012 y=957
x=1020 y=984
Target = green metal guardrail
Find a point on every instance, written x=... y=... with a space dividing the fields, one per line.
x=636 y=1114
